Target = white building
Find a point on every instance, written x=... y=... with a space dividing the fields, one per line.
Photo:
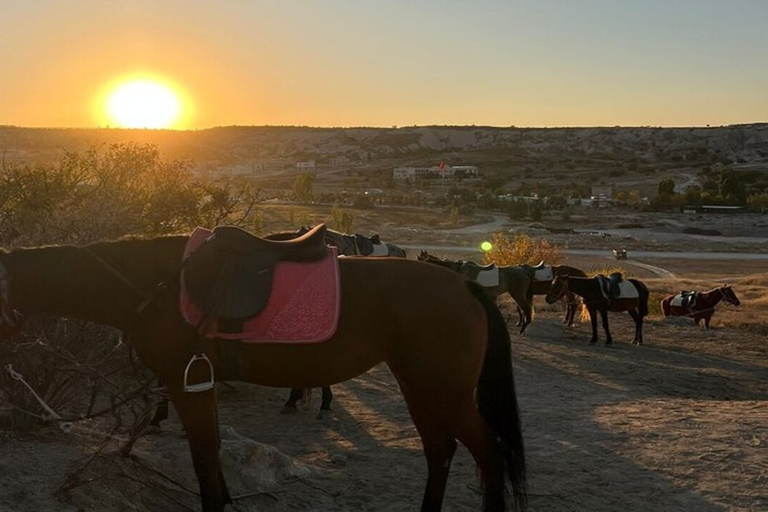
x=447 y=172
x=308 y=165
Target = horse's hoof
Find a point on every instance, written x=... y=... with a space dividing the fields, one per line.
x=323 y=414
x=288 y=410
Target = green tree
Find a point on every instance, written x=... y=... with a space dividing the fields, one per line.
x=667 y=187
x=302 y=187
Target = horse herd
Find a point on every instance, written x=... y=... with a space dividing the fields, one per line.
x=437 y=328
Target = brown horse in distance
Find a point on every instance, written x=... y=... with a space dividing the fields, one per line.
x=440 y=336
x=705 y=304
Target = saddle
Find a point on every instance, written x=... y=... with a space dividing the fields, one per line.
x=229 y=277
x=532 y=269
x=470 y=269
x=610 y=285
x=686 y=299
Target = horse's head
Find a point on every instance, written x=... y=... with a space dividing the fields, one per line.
x=558 y=289
x=729 y=296
x=425 y=256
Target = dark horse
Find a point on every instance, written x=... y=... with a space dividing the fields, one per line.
x=348 y=245
x=515 y=281
x=705 y=304
x=589 y=289
x=445 y=342
x=543 y=287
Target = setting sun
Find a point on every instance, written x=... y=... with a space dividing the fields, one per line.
x=143 y=103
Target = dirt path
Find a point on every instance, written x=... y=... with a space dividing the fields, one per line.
x=680 y=424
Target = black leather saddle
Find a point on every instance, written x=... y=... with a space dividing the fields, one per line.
x=610 y=284
x=688 y=299
x=470 y=269
x=531 y=269
x=229 y=277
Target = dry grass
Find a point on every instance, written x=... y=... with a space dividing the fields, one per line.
x=751 y=289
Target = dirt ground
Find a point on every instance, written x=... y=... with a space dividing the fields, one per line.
x=679 y=424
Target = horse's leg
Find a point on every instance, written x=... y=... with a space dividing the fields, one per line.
x=707 y=318
x=430 y=417
x=593 y=321
x=161 y=413
x=635 y=314
x=290 y=406
x=484 y=445
x=524 y=304
x=519 y=315
x=198 y=413
x=325 y=406
x=570 y=310
x=604 y=318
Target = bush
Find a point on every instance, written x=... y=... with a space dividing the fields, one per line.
x=520 y=250
x=126 y=189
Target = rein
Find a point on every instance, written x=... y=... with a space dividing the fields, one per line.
x=149 y=298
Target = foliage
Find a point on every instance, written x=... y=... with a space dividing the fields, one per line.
x=667 y=187
x=522 y=249
x=342 y=219
x=126 y=189
x=302 y=187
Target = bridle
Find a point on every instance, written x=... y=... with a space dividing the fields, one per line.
x=726 y=297
x=563 y=291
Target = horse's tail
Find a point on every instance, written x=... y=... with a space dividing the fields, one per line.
x=496 y=398
x=644 y=295
x=584 y=312
x=664 y=306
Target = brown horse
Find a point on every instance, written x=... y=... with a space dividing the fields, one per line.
x=515 y=281
x=704 y=307
x=591 y=291
x=443 y=339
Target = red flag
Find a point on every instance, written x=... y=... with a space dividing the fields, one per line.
x=442 y=165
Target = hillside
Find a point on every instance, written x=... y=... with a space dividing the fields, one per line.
x=494 y=148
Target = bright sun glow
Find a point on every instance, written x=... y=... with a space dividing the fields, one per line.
x=143 y=104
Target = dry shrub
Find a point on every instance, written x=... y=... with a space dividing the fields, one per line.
x=522 y=250
x=125 y=189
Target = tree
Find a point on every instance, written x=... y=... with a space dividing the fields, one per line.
x=302 y=187
x=731 y=188
x=667 y=187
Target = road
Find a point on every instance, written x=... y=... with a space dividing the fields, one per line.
x=744 y=256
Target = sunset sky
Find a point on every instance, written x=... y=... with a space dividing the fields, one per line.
x=391 y=62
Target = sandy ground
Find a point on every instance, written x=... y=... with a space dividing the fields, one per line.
x=679 y=424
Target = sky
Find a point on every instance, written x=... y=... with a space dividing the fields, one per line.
x=527 y=63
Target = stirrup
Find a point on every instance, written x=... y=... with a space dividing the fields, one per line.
x=200 y=386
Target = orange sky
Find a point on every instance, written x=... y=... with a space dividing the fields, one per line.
x=368 y=63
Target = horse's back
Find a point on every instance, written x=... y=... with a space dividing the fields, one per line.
x=403 y=312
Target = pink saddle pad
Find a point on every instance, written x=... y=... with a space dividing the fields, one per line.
x=303 y=306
